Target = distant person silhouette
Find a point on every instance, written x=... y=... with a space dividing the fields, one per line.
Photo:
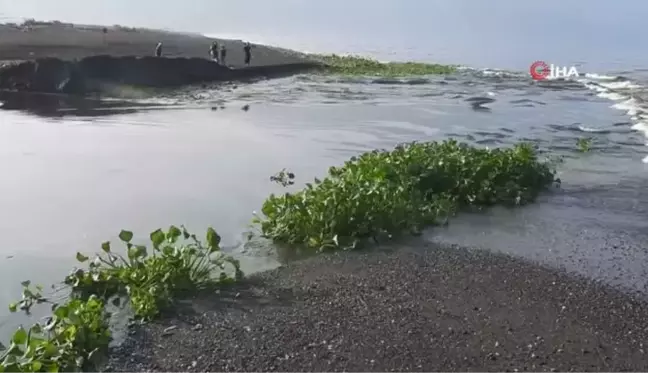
x=247 y=49
x=223 y=55
x=158 y=50
x=213 y=51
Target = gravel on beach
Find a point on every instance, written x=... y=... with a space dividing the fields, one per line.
x=411 y=309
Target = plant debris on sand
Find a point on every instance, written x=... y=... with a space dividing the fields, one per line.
x=77 y=335
x=356 y=65
x=385 y=193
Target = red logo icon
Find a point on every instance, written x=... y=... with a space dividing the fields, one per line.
x=539 y=70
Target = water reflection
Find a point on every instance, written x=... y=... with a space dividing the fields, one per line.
x=58 y=105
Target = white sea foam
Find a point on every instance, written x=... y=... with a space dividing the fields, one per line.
x=612 y=96
x=600 y=77
x=641 y=127
x=630 y=106
x=620 y=85
x=591 y=129
x=623 y=93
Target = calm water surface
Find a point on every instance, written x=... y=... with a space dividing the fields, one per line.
x=73 y=178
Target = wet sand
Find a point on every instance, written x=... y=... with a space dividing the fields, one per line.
x=411 y=309
x=69 y=42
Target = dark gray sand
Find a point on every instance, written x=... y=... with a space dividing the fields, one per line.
x=425 y=309
x=68 y=42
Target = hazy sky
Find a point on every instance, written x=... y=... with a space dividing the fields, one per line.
x=556 y=27
x=237 y=15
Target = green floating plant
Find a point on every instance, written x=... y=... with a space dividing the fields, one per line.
x=385 y=193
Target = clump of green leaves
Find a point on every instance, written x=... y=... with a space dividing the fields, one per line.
x=584 y=144
x=283 y=178
x=357 y=65
x=77 y=334
x=74 y=338
x=384 y=193
x=152 y=280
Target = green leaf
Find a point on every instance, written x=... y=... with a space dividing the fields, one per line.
x=62 y=312
x=185 y=233
x=173 y=234
x=141 y=251
x=36 y=329
x=13 y=307
x=125 y=236
x=106 y=247
x=36 y=366
x=81 y=258
x=157 y=237
x=10 y=362
x=213 y=239
x=20 y=336
x=25 y=283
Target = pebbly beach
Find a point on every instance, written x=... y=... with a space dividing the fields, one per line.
x=410 y=308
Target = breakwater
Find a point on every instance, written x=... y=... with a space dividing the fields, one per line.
x=87 y=75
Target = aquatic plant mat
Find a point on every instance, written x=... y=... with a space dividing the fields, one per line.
x=77 y=334
x=357 y=65
x=381 y=194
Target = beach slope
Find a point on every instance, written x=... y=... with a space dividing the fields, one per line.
x=412 y=309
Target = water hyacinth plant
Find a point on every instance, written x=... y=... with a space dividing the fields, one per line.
x=384 y=193
x=74 y=338
x=153 y=280
x=584 y=144
x=357 y=65
x=77 y=334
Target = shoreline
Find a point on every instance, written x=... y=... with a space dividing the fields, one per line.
x=92 y=74
x=70 y=42
x=414 y=308
x=55 y=57
x=48 y=57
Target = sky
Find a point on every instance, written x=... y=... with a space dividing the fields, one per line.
x=582 y=28
x=264 y=15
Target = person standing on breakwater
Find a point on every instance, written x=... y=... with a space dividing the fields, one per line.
x=247 y=49
x=213 y=51
x=223 y=55
x=158 y=50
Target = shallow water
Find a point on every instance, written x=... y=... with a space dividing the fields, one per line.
x=78 y=172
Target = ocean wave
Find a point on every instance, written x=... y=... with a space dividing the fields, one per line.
x=603 y=77
x=628 y=96
x=592 y=130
